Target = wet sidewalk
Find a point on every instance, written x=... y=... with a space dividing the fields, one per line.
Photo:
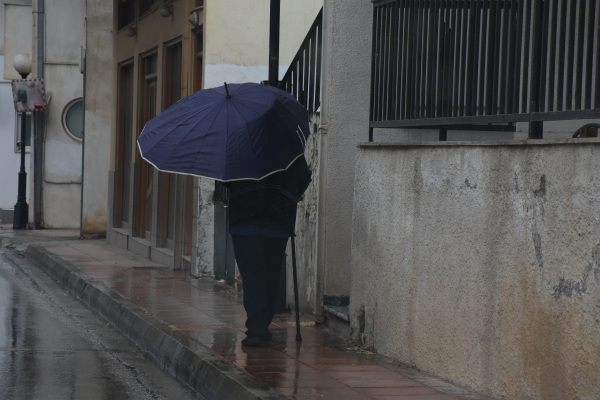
x=210 y=312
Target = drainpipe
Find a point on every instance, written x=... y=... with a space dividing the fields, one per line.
x=323 y=129
x=39 y=125
x=83 y=70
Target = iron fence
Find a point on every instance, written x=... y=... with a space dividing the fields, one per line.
x=457 y=62
x=303 y=77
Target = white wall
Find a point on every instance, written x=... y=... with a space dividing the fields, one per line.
x=480 y=263
x=237 y=38
x=61 y=192
x=9 y=160
x=98 y=117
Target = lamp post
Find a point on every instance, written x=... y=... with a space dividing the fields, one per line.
x=22 y=64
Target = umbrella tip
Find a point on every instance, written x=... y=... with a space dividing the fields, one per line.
x=227 y=90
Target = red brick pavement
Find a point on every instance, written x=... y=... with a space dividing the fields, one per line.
x=319 y=367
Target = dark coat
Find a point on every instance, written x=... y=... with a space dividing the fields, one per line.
x=270 y=202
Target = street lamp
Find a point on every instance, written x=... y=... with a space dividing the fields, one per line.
x=22 y=64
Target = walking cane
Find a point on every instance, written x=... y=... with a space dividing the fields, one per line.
x=298 y=335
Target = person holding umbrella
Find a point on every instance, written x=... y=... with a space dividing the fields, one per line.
x=252 y=138
x=262 y=216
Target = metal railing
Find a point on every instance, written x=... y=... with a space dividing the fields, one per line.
x=303 y=77
x=457 y=62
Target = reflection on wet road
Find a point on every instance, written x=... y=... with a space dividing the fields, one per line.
x=51 y=347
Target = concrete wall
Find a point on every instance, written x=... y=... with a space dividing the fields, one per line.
x=237 y=38
x=99 y=111
x=481 y=263
x=64 y=22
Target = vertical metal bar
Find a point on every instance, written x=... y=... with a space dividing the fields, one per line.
x=590 y=53
x=552 y=44
x=430 y=59
x=414 y=37
x=455 y=74
x=394 y=62
x=443 y=133
x=517 y=71
x=373 y=56
x=274 y=18
x=464 y=51
x=472 y=82
x=483 y=58
x=301 y=79
x=441 y=60
x=526 y=55
x=491 y=90
x=377 y=84
x=543 y=57
x=419 y=58
x=319 y=62
x=405 y=62
x=580 y=53
x=410 y=64
x=597 y=61
x=305 y=80
x=570 y=59
x=511 y=80
x=313 y=68
x=504 y=64
x=536 y=23
x=561 y=39
x=385 y=61
x=401 y=60
x=297 y=305
x=435 y=59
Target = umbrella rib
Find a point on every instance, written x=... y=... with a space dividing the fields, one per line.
x=198 y=153
x=190 y=131
x=177 y=116
x=249 y=138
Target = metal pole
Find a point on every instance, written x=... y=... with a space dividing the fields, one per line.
x=298 y=335
x=21 y=208
x=82 y=143
x=37 y=144
x=275 y=15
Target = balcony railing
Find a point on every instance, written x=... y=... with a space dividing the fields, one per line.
x=303 y=77
x=456 y=62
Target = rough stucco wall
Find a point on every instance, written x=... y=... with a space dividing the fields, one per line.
x=481 y=264
x=99 y=109
x=206 y=227
x=348 y=80
x=237 y=38
x=306 y=231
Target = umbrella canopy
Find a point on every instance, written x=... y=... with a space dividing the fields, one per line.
x=252 y=132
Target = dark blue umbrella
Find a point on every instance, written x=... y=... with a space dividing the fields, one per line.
x=250 y=133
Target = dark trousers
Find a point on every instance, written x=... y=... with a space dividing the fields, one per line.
x=260 y=261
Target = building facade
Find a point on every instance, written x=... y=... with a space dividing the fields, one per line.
x=164 y=51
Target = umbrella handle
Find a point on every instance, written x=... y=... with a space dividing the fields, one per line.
x=227 y=90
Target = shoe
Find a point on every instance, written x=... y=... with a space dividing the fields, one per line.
x=255 y=340
x=252 y=341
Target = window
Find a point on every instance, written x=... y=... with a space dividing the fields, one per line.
x=126 y=12
x=167 y=187
x=28 y=126
x=147 y=5
x=124 y=145
x=73 y=119
x=147 y=102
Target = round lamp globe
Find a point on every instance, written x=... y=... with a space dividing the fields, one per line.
x=22 y=64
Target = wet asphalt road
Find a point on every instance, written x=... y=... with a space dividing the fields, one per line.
x=52 y=347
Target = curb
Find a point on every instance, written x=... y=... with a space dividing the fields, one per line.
x=187 y=360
